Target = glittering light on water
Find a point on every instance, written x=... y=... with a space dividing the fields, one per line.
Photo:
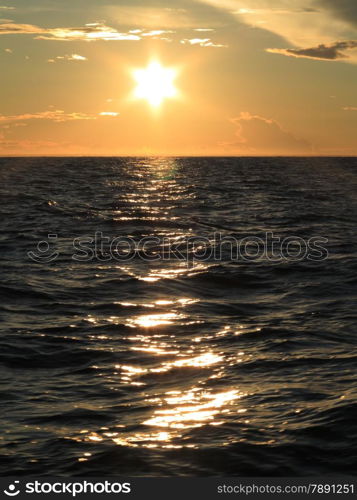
x=203 y=360
x=152 y=320
x=195 y=415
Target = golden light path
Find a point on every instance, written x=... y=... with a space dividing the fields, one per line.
x=191 y=365
x=155 y=83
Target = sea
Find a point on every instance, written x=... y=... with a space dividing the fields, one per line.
x=167 y=316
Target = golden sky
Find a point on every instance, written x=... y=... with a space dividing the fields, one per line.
x=178 y=77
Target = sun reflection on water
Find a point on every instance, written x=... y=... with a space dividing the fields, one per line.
x=182 y=411
x=204 y=407
x=177 y=413
x=175 y=368
x=156 y=274
x=204 y=360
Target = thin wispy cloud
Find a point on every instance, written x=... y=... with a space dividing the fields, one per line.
x=100 y=32
x=68 y=57
x=109 y=113
x=89 y=32
x=57 y=116
x=269 y=10
x=18 y=29
x=154 y=14
x=202 y=42
x=26 y=145
x=154 y=33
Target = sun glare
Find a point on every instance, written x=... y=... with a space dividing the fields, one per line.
x=155 y=84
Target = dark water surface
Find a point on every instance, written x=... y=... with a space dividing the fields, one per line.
x=212 y=367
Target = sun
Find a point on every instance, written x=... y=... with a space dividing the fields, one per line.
x=155 y=84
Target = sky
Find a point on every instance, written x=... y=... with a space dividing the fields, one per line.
x=178 y=77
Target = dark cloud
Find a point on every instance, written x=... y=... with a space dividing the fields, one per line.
x=322 y=52
x=344 y=9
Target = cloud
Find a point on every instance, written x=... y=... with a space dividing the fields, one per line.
x=275 y=10
x=154 y=33
x=350 y=108
x=9 y=51
x=202 y=42
x=57 y=116
x=98 y=31
x=89 y=32
x=258 y=135
x=14 y=29
x=299 y=23
x=68 y=57
x=5 y=7
x=322 y=52
x=109 y=113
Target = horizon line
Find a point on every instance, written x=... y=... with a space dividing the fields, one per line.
x=174 y=156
